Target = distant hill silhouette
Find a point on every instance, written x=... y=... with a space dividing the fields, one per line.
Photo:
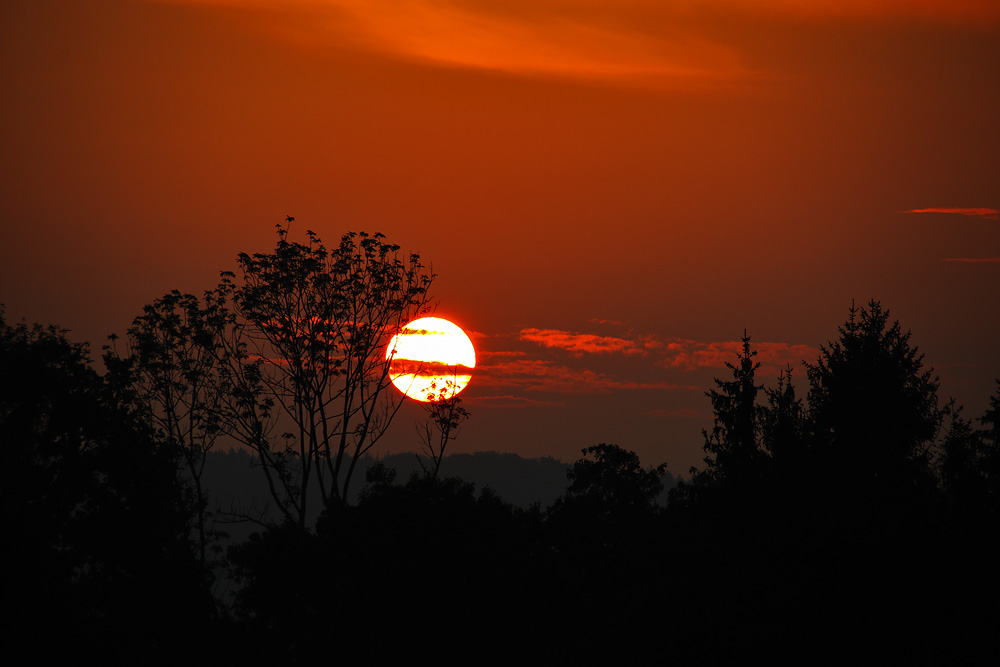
x=235 y=484
x=519 y=481
x=236 y=487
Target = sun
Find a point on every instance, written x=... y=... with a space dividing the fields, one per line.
x=431 y=359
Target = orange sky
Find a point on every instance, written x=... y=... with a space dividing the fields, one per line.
x=610 y=192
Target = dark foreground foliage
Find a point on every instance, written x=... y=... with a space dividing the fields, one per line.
x=96 y=519
x=858 y=523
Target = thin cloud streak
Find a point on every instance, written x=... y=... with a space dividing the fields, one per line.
x=691 y=355
x=985 y=213
x=682 y=413
x=959 y=11
x=499 y=354
x=674 y=353
x=973 y=260
x=516 y=372
x=578 y=343
x=510 y=401
x=537 y=375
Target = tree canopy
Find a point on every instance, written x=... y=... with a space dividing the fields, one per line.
x=97 y=515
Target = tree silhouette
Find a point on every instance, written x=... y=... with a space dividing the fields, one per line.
x=610 y=503
x=603 y=536
x=970 y=479
x=784 y=427
x=425 y=561
x=737 y=455
x=873 y=407
x=445 y=415
x=613 y=480
x=970 y=466
x=97 y=519
x=991 y=420
x=306 y=349
x=733 y=445
x=170 y=373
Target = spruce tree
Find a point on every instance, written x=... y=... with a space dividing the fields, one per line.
x=874 y=407
x=733 y=445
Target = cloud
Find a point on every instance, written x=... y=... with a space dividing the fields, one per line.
x=690 y=354
x=962 y=11
x=676 y=353
x=578 y=343
x=682 y=413
x=635 y=42
x=510 y=401
x=674 y=44
x=516 y=372
x=596 y=11
x=985 y=213
x=499 y=354
x=973 y=260
x=537 y=375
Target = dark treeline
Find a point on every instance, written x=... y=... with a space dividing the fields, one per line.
x=239 y=501
x=852 y=518
x=233 y=480
x=859 y=521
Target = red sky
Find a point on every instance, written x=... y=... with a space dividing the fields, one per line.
x=610 y=192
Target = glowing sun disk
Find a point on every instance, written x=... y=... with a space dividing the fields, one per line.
x=430 y=359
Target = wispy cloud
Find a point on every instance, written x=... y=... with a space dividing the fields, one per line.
x=561 y=363
x=692 y=354
x=582 y=39
x=538 y=375
x=580 y=343
x=962 y=11
x=682 y=413
x=600 y=10
x=677 y=353
x=637 y=42
x=985 y=213
x=488 y=355
x=973 y=260
x=510 y=401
